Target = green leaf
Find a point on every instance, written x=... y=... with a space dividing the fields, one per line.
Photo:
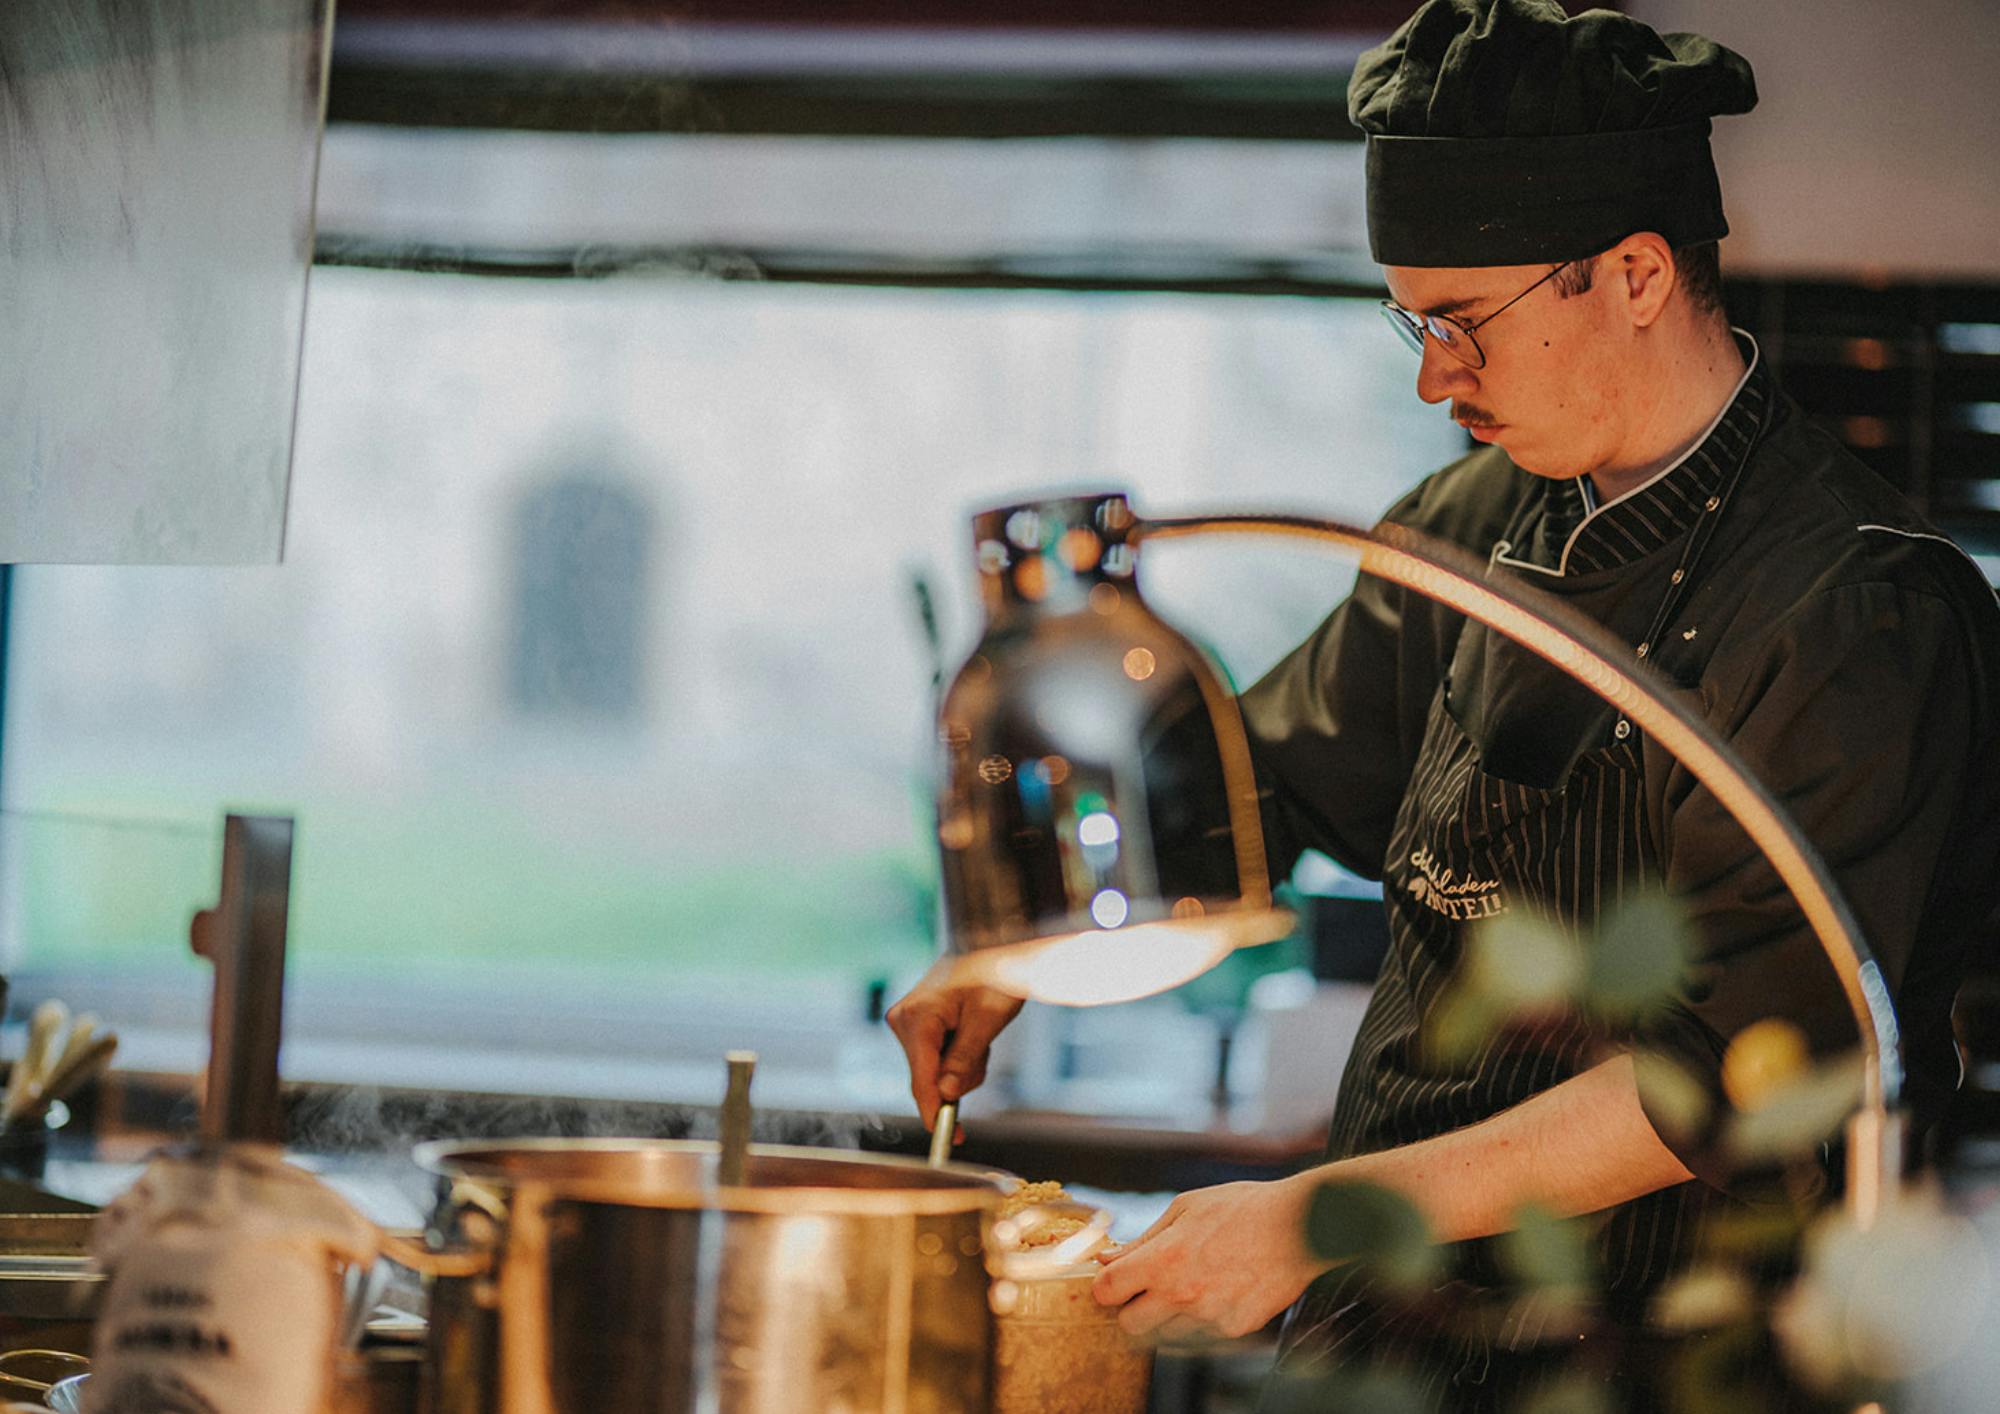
x=1797 y=1118
x=1513 y=965
x=1703 y=1299
x=1353 y=1221
x=1640 y=957
x=1546 y=1253
x=1460 y=1023
x=1520 y=961
x=1673 y=1098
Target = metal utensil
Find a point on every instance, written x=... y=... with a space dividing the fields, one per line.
x=942 y=1131
x=66 y=1396
x=39 y=1371
x=735 y=1123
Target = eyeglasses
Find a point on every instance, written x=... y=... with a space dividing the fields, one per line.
x=1450 y=335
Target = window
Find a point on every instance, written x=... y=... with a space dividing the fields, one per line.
x=595 y=674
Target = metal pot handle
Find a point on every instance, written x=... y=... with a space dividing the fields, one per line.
x=476 y=1258
x=452 y=1262
x=67 y=1361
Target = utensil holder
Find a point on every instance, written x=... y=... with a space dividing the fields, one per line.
x=24 y=1146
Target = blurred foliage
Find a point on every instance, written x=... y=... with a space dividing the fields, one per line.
x=1797 y=1116
x=1520 y=961
x=1880 y=1304
x=1752 y=1233
x=1353 y=1221
x=1702 y=1299
x=1638 y=958
x=1514 y=964
x=1673 y=1098
x=1518 y=966
x=1873 y=1309
x=1728 y=1371
x=1763 y=1058
x=1548 y=1254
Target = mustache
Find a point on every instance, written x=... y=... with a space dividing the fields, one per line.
x=1470 y=416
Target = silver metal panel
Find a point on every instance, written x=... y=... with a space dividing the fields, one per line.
x=157 y=164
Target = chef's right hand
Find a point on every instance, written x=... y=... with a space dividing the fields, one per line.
x=946 y=1031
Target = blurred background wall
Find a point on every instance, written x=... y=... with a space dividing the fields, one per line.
x=1875 y=147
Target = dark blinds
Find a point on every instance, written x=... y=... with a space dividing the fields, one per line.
x=1907 y=374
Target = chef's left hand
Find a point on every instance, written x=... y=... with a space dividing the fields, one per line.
x=1220 y=1261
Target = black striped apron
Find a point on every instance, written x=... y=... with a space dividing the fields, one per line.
x=1468 y=845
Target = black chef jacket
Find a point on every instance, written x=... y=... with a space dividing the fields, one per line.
x=1844 y=648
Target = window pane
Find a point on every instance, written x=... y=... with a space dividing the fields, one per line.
x=595 y=674
x=1048 y=205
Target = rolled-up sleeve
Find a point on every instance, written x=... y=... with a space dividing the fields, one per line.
x=1857 y=713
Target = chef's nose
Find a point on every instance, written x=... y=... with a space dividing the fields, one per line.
x=1441 y=377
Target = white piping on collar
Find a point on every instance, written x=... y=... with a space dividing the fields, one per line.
x=1931 y=535
x=1500 y=554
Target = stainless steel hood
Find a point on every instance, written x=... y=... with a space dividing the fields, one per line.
x=157 y=166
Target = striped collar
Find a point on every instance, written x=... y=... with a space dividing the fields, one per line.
x=1578 y=536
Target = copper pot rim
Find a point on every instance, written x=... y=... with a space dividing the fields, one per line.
x=964 y=1188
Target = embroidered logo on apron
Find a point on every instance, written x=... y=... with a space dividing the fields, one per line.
x=1441 y=890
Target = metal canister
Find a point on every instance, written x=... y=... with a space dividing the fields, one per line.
x=623 y=1278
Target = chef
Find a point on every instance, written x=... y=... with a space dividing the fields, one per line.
x=1542 y=198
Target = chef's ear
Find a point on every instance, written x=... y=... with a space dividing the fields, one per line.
x=1644 y=265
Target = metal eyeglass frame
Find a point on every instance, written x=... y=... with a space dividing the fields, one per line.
x=1411 y=326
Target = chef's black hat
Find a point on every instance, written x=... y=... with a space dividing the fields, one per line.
x=1503 y=132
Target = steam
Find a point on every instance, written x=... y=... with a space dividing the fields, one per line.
x=368 y=1133
x=369 y=1119
x=451 y=201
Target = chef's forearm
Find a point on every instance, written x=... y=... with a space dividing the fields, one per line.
x=1580 y=1146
